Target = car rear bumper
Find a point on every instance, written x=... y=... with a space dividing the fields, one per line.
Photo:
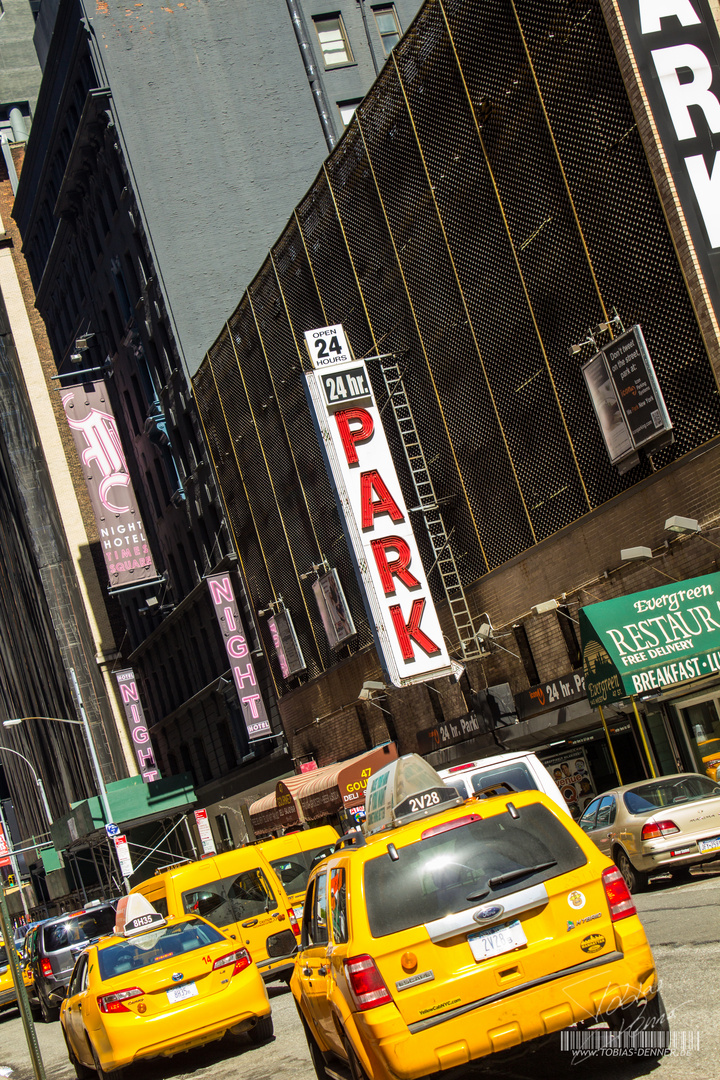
x=581 y=993
x=682 y=852
x=125 y=1039
x=7 y=996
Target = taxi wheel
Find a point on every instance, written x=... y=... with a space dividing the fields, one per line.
x=48 y=1013
x=101 y=1074
x=263 y=1031
x=646 y=1026
x=81 y=1071
x=635 y=880
x=356 y=1068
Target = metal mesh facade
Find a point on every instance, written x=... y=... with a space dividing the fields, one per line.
x=490 y=201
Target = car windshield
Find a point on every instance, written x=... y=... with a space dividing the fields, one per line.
x=143 y=950
x=517 y=776
x=231 y=899
x=294 y=870
x=455 y=870
x=77 y=929
x=669 y=791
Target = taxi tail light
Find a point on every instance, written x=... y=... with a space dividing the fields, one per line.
x=617 y=894
x=655 y=829
x=115 y=1003
x=240 y=958
x=293 y=922
x=367 y=985
x=46 y=968
x=448 y=825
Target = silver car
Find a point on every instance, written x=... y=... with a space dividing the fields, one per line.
x=656 y=826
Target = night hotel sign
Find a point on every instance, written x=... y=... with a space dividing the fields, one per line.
x=122 y=534
x=675 y=44
x=372 y=510
x=648 y=641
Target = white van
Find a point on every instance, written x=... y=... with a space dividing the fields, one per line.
x=520 y=771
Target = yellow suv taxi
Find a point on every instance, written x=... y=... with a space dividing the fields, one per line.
x=457 y=928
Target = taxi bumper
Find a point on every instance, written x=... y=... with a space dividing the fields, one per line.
x=585 y=992
x=7 y=996
x=126 y=1038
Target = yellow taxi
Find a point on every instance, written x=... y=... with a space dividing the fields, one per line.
x=8 y=995
x=294 y=855
x=157 y=987
x=240 y=893
x=453 y=929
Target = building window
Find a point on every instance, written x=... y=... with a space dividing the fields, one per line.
x=388 y=26
x=333 y=40
x=347 y=109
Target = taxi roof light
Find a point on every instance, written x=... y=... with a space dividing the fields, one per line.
x=136 y=915
x=114 y=1003
x=367 y=985
x=617 y=894
x=405 y=790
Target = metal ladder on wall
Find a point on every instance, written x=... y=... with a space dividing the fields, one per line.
x=428 y=506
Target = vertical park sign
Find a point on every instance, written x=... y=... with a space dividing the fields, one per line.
x=372 y=509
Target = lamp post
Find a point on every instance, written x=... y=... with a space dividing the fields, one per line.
x=38 y=781
x=88 y=736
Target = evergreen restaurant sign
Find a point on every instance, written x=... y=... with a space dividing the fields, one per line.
x=649 y=640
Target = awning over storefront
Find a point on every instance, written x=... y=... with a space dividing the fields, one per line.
x=649 y=640
x=317 y=794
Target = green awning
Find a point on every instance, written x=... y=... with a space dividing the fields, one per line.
x=650 y=640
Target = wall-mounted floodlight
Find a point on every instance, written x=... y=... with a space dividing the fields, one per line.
x=679 y=524
x=578 y=348
x=485 y=631
x=368 y=688
x=636 y=554
x=547 y=605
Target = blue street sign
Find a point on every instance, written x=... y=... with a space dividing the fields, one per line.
x=112 y=829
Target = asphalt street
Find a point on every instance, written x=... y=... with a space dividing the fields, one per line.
x=682 y=923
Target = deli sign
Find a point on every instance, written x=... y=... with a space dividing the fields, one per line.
x=675 y=43
x=372 y=509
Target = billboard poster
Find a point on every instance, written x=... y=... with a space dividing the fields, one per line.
x=676 y=49
x=227 y=613
x=627 y=399
x=206 y=836
x=135 y=716
x=372 y=509
x=333 y=608
x=287 y=647
x=122 y=533
x=4 y=849
x=570 y=771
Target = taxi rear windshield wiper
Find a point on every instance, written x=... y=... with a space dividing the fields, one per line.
x=502 y=879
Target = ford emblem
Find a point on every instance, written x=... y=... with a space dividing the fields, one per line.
x=177 y=975
x=492 y=911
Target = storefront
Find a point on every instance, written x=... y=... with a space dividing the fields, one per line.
x=659 y=652
x=335 y=793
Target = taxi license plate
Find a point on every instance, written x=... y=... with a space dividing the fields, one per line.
x=500 y=939
x=713 y=844
x=179 y=993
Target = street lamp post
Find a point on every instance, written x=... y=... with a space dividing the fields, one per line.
x=38 y=781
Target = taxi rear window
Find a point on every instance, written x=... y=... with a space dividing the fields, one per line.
x=142 y=950
x=437 y=876
x=79 y=928
x=231 y=899
x=294 y=870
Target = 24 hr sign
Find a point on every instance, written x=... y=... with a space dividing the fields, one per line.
x=370 y=502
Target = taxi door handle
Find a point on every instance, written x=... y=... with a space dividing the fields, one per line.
x=250 y=922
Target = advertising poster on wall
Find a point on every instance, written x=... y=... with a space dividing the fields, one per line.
x=333 y=608
x=571 y=772
x=122 y=533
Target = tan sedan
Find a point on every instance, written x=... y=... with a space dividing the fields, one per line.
x=657 y=826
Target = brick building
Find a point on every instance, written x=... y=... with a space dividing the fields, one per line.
x=500 y=210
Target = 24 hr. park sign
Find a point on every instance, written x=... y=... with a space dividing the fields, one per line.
x=651 y=640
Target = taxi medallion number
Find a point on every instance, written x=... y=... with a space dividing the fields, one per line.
x=179 y=993
x=498 y=940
